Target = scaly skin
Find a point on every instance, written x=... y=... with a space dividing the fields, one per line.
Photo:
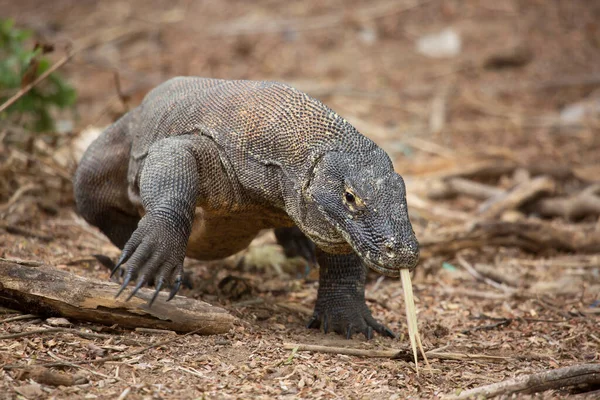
x=202 y=165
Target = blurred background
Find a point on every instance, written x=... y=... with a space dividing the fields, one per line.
x=489 y=109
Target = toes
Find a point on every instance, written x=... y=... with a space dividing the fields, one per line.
x=159 y=286
x=369 y=333
x=349 y=331
x=124 y=285
x=314 y=323
x=326 y=324
x=130 y=248
x=141 y=282
x=175 y=287
x=387 y=332
x=122 y=259
x=147 y=273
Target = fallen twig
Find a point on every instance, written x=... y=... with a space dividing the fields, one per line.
x=396 y=354
x=19 y=318
x=18 y=230
x=91 y=371
x=535 y=383
x=503 y=322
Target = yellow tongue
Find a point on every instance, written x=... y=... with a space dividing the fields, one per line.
x=411 y=317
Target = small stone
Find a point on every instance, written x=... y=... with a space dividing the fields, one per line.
x=444 y=44
x=58 y=322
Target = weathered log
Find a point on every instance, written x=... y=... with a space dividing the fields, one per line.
x=47 y=291
x=588 y=374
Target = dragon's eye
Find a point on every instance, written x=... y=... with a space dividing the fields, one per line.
x=349 y=197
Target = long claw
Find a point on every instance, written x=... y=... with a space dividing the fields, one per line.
x=124 y=285
x=349 y=331
x=120 y=262
x=156 y=292
x=369 y=334
x=175 y=288
x=387 y=332
x=326 y=324
x=313 y=323
x=137 y=287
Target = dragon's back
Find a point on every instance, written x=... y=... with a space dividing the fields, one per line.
x=262 y=121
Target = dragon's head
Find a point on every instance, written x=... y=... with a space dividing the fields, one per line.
x=363 y=200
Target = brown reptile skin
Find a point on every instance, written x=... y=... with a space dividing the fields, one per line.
x=202 y=165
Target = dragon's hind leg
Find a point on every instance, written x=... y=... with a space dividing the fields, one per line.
x=100 y=185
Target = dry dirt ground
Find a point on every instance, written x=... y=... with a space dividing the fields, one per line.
x=520 y=64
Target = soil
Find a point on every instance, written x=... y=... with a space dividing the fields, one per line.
x=430 y=114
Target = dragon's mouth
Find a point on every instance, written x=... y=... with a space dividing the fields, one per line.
x=387 y=271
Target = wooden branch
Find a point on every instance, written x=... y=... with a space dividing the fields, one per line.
x=585 y=203
x=444 y=189
x=554 y=379
x=519 y=195
x=497 y=167
x=434 y=212
x=271 y=25
x=529 y=234
x=51 y=292
x=477 y=169
x=391 y=353
x=567 y=261
x=545 y=235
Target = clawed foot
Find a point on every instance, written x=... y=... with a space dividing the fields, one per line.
x=348 y=321
x=154 y=256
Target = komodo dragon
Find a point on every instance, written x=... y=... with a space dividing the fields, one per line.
x=202 y=165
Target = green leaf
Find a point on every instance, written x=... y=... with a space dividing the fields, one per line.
x=448 y=267
x=34 y=109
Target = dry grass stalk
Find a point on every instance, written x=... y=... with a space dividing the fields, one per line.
x=411 y=318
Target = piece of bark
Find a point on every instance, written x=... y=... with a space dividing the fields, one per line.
x=519 y=195
x=554 y=379
x=51 y=292
x=46 y=376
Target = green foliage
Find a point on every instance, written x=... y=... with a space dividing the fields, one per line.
x=19 y=65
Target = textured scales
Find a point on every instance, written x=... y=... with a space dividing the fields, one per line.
x=202 y=165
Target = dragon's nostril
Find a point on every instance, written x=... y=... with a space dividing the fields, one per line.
x=388 y=249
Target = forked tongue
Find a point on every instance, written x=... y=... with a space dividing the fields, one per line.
x=411 y=317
